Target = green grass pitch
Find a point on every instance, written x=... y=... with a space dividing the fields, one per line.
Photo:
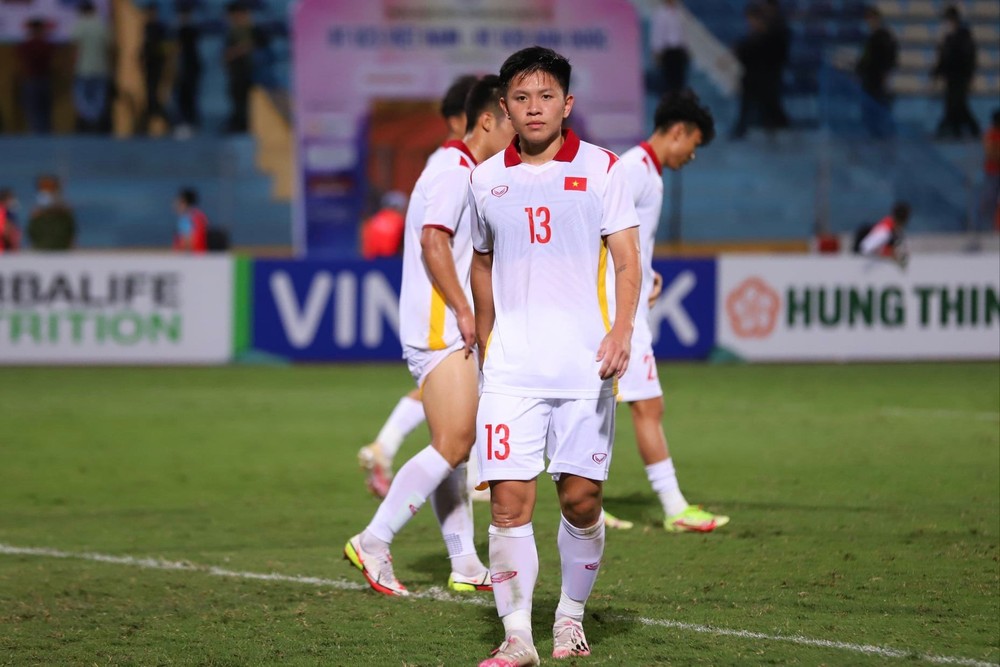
x=865 y=504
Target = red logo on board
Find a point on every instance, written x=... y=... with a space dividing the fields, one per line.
x=753 y=308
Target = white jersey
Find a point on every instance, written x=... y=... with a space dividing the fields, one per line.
x=644 y=175
x=439 y=199
x=645 y=178
x=545 y=225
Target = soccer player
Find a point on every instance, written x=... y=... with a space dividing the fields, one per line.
x=438 y=331
x=681 y=124
x=548 y=210
x=376 y=458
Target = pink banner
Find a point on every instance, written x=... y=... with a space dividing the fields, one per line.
x=347 y=55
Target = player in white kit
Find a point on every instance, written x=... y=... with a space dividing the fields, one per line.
x=547 y=213
x=376 y=457
x=681 y=124
x=438 y=332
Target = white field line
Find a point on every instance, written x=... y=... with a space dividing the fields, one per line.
x=443 y=595
x=941 y=414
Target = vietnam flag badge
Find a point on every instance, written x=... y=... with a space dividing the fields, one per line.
x=575 y=183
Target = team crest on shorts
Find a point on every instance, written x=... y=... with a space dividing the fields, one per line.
x=599 y=458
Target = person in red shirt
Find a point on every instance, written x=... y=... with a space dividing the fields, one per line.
x=382 y=234
x=192 y=223
x=10 y=233
x=991 y=172
x=885 y=239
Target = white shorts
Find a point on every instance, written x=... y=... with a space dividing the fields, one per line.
x=641 y=380
x=514 y=435
x=422 y=362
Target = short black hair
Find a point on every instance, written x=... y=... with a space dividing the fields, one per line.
x=484 y=95
x=952 y=14
x=684 y=107
x=535 y=59
x=453 y=102
x=87 y=7
x=901 y=211
x=872 y=12
x=189 y=196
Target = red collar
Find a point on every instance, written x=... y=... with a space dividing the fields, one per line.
x=567 y=152
x=460 y=145
x=652 y=156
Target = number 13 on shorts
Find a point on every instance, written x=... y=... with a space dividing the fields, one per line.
x=497 y=442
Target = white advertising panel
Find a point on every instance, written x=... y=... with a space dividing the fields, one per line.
x=773 y=308
x=115 y=309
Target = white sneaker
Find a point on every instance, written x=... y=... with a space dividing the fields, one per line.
x=377 y=568
x=514 y=652
x=568 y=639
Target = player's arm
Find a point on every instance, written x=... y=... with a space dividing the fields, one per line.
x=616 y=347
x=482 y=296
x=435 y=243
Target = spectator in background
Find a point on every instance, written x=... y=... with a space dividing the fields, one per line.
x=779 y=42
x=34 y=56
x=188 y=72
x=239 y=60
x=192 y=224
x=885 y=238
x=10 y=233
x=991 y=172
x=878 y=58
x=52 y=225
x=756 y=54
x=382 y=234
x=154 y=61
x=669 y=45
x=956 y=64
x=92 y=51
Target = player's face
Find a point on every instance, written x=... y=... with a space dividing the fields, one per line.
x=537 y=106
x=682 y=146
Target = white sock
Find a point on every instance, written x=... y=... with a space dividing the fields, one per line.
x=663 y=479
x=514 y=570
x=411 y=487
x=453 y=509
x=580 y=550
x=406 y=416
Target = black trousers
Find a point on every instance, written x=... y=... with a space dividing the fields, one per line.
x=957 y=114
x=674 y=69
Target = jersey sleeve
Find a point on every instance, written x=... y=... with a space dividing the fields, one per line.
x=636 y=175
x=482 y=237
x=618 y=208
x=447 y=197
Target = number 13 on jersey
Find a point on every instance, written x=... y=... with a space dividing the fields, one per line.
x=538 y=224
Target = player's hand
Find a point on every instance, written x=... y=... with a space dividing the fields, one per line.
x=654 y=294
x=467 y=327
x=613 y=354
